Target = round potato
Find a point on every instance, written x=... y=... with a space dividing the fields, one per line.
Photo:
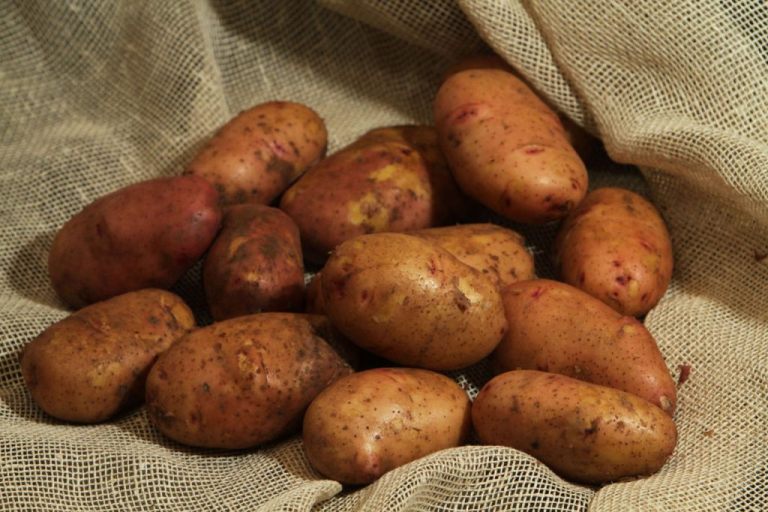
x=371 y=422
x=493 y=250
x=616 y=247
x=93 y=364
x=241 y=382
x=255 y=264
x=554 y=327
x=584 y=432
x=507 y=149
x=255 y=156
x=391 y=179
x=408 y=300
x=145 y=235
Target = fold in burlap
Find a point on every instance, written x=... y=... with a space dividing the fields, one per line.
x=97 y=95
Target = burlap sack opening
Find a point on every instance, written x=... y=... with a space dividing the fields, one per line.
x=96 y=95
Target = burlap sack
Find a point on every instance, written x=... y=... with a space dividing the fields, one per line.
x=96 y=95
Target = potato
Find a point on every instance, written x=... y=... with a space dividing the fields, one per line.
x=496 y=251
x=371 y=422
x=255 y=264
x=408 y=300
x=260 y=152
x=616 y=247
x=241 y=382
x=584 y=432
x=145 y=235
x=554 y=327
x=92 y=365
x=581 y=140
x=314 y=297
x=507 y=149
x=391 y=179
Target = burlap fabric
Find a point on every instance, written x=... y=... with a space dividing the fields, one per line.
x=96 y=95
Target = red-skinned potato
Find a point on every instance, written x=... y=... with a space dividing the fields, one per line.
x=408 y=300
x=241 y=382
x=145 y=235
x=616 y=247
x=507 y=149
x=92 y=365
x=391 y=179
x=557 y=328
x=371 y=422
x=495 y=251
x=584 y=432
x=256 y=155
x=255 y=264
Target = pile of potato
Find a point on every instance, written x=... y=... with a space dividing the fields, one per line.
x=580 y=383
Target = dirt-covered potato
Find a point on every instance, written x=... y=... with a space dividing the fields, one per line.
x=93 y=364
x=616 y=247
x=584 y=432
x=507 y=149
x=255 y=264
x=256 y=155
x=496 y=251
x=410 y=301
x=391 y=179
x=145 y=235
x=241 y=382
x=371 y=422
x=554 y=327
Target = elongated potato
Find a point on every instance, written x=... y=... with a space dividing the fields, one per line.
x=493 y=250
x=391 y=179
x=255 y=264
x=554 y=327
x=584 y=432
x=616 y=247
x=142 y=236
x=255 y=156
x=371 y=422
x=241 y=382
x=408 y=300
x=93 y=364
x=507 y=149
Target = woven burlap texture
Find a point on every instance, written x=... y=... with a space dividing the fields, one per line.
x=97 y=95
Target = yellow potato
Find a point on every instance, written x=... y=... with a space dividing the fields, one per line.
x=391 y=179
x=241 y=382
x=371 y=422
x=584 y=432
x=93 y=364
x=493 y=250
x=408 y=300
x=257 y=154
x=557 y=328
x=616 y=247
x=507 y=149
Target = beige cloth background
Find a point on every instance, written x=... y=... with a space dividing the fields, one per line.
x=97 y=95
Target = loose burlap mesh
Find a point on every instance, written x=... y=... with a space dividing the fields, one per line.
x=97 y=95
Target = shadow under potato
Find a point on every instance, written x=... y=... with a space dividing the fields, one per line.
x=14 y=395
x=136 y=423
